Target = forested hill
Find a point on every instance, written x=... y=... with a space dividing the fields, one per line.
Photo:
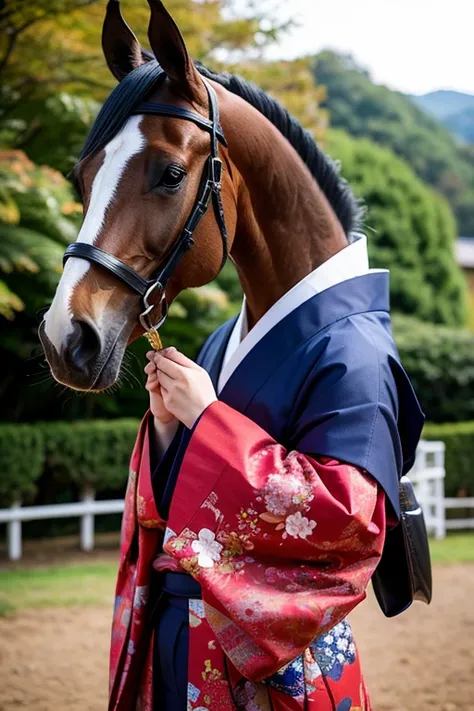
x=444 y=103
x=453 y=108
x=392 y=119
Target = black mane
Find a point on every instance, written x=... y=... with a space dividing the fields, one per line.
x=140 y=83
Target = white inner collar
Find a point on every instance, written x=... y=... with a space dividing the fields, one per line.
x=350 y=262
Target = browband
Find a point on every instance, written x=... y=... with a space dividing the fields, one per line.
x=150 y=107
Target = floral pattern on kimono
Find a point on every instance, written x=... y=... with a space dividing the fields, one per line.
x=283 y=546
x=131 y=673
x=215 y=685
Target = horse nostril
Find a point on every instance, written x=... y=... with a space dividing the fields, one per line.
x=84 y=344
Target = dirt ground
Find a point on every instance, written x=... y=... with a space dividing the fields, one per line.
x=57 y=659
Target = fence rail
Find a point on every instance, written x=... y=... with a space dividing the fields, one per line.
x=427 y=476
x=86 y=509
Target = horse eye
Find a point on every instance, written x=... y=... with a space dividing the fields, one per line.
x=172 y=177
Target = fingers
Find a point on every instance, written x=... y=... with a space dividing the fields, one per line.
x=150 y=368
x=177 y=357
x=152 y=382
x=172 y=355
x=164 y=380
x=173 y=370
x=152 y=385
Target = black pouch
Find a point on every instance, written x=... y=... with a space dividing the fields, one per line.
x=404 y=572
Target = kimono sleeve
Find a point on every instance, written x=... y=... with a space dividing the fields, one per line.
x=282 y=544
x=358 y=406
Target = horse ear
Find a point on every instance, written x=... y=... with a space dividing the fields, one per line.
x=170 y=50
x=122 y=50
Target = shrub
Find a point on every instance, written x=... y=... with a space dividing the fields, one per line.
x=95 y=452
x=394 y=120
x=21 y=462
x=459 y=440
x=440 y=363
x=411 y=231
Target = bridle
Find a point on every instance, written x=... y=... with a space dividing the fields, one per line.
x=209 y=189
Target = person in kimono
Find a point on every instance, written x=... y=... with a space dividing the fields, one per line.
x=263 y=481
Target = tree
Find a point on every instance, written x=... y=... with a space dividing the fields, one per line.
x=56 y=44
x=291 y=83
x=411 y=231
x=38 y=217
x=392 y=119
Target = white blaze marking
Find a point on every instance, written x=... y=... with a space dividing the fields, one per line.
x=118 y=153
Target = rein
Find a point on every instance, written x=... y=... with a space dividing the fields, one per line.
x=209 y=189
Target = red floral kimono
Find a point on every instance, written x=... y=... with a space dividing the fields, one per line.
x=283 y=547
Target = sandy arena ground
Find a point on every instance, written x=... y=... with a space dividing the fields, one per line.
x=56 y=660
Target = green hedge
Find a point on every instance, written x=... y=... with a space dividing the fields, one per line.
x=21 y=462
x=459 y=440
x=440 y=363
x=64 y=454
x=95 y=452
x=98 y=452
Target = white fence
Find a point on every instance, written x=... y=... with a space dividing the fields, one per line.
x=427 y=476
x=86 y=509
x=428 y=479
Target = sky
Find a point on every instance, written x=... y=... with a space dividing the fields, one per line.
x=415 y=46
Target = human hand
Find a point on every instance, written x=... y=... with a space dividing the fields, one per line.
x=185 y=388
x=157 y=405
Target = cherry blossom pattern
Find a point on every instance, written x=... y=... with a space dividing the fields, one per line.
x=290 y=679
x=208 y=549
x=298 y=526
x=335 y=649
x=287 y=495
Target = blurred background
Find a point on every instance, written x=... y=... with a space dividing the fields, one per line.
x=387 y=89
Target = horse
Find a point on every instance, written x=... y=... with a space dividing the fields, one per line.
x=281 y=206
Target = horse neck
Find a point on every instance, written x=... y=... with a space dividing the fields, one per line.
x=285 y=226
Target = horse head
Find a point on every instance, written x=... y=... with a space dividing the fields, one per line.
x=138 y=177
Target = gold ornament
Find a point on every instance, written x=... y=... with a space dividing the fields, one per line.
x=153 y=338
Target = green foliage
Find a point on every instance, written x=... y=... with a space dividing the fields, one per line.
x=291 y=83
x=93 y=452
x=34 y=127
x=56 y=44
x=459 y=440
x=38 y=216
x=22 y=458
x=394 y=120
x=96 y=452
x=412 y=231
x=228 y=281
x=194 y=316
x=440 y=363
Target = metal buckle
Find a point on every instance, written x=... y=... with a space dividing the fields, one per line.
x=216 y=173
x=163 y=304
